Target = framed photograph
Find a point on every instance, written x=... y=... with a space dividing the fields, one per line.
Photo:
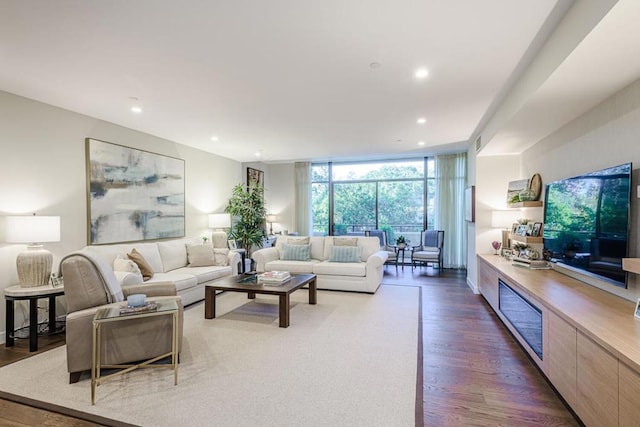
x=522 y=230
x=537 y=229
x=56 y=281
x=514 y=228
x=132 y=195
x=637 y=311
x=470 y=204
x=255 y=177
x=232 y=244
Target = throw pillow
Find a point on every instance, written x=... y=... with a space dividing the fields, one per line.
x=220 y=256
x=126 y=265
x=298 y=240
x=200 y=255
x=345 y=254
x=296 y=252
x=345 y=241
x=145 y=268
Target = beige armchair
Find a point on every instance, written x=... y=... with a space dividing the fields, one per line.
x=90 y=284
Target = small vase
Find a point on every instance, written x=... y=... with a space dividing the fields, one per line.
x=402 y=245
x=527 y=195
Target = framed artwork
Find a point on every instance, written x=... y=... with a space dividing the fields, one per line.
x=514 y=227
x=470 y=204
x=514 y=189
x=255 y=177
x=522 y=230
x=133 y=195
x=232 y=244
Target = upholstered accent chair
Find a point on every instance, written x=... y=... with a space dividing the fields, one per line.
x=89 y=284
x=430 y=249
x=391 y=251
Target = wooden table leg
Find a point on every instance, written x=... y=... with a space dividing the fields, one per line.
x=52 y=314
x=251 y=295
x=313 y=292
x=33 y=324
x=9 y=323
x=209 y=303
x=285 y=306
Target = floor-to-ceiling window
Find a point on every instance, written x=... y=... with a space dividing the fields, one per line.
x=396 y=196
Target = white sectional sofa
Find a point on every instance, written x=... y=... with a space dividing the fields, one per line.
x=363 y=275
x=169 y=262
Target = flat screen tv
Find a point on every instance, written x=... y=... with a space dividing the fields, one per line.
x=586 y=223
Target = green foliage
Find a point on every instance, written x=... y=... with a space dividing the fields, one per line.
x=247 y=205
x=400 y=240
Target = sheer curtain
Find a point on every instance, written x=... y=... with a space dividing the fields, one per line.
x=303 y=198
x=451 y=181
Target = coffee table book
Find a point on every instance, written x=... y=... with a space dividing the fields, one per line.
x=149 y=306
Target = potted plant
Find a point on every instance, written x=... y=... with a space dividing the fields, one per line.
x=247 y=205
x=401 y=242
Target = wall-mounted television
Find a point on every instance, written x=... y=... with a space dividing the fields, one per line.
x=586 y=223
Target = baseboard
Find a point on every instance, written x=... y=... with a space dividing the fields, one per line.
x=472 y=285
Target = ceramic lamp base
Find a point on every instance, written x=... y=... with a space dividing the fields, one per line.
x=34 y=267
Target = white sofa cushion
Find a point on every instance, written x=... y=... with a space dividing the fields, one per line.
x=127 y=278
x=205 y=274
x=328 y=268
x=303 y=267
x=182 y=281
x=151 y=254
x=200 y=255
x=173 y=254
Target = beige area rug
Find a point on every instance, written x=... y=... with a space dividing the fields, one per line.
x=350 y=360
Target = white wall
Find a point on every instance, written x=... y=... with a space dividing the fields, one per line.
x=42 y=170
x=606 y=136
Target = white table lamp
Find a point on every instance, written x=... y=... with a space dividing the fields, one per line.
x=271 y=219
x=219 y=221
x=34 y=265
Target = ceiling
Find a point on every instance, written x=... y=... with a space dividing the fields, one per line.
x=285 y=79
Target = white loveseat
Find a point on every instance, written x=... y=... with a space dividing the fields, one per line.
x=169 y=262
x=365 y=275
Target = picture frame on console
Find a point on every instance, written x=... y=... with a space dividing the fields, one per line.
x=536 y=230
x=232 y=244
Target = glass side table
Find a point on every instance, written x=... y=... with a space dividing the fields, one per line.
x=112 y=314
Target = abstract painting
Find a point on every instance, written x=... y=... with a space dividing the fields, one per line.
x=133 y=195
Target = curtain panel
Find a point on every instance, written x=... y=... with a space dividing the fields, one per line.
x=451 y=181
x=303 y=198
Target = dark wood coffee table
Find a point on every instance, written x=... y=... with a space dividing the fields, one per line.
x=241 y=283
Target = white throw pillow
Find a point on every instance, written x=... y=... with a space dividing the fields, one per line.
x=122 y=264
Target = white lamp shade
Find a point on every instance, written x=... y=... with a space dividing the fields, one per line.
x=504 y=219
x=32 y=229
x=221 y=220
x=271 y=218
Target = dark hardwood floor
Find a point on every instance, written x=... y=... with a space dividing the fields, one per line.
x=475 y=373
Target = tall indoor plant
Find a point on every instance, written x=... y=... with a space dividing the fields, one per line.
x=247 y=205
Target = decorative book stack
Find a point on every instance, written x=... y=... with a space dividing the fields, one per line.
x=274 y=277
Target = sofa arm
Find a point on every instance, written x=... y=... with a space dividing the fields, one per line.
x=156 y=289
x=377 y=259
x=263 y=256
x=234 y=261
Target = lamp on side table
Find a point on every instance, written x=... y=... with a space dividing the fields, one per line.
x=34 y=265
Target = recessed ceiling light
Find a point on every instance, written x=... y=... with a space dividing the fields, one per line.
x=420 y=142
x=421 y=121
x=136 y=109
x=421 y=73
x=258 y=153
x=214 y=138
x=375 y=65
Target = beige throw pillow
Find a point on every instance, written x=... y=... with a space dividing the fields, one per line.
x=298 y=240
x=200 y=255
x=345 y=241
x=145 y=268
